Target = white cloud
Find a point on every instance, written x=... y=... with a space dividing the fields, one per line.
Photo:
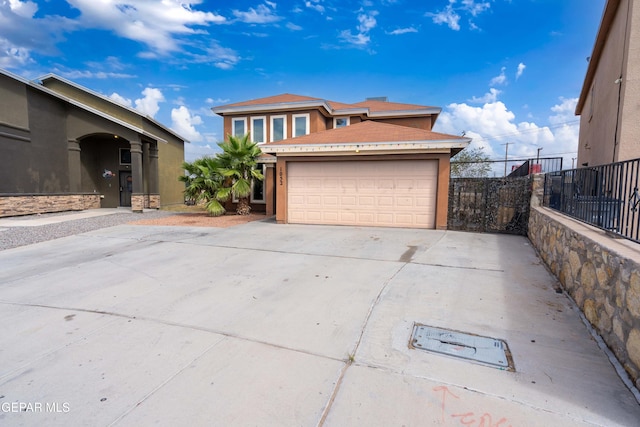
x=447 y=16
x=12 y=56
x=491 y=96
x=149 y=103
x=493 y=125
x=217 y=101
x=293 y=27
x=26 y=9
x=499 y=79
x=263 y=14
x=315 y=5
x=221 y=57
x=565 y=111
x=22 y=34
x=450 y=15
x=403 y=31
x=121 y=99
x=520 y=70
x=154 y=23
x=86 y=74
x=366 y=23
x=184 y=123
x=475 y=8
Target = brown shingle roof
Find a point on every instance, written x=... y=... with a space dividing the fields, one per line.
x=276 y=99
x=372 y=106
x=368 y=131
x=377 y=106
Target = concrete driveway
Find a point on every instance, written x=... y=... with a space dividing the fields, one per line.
x=285 y=325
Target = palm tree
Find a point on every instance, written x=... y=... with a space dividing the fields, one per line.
x=238 y=164
x=203 y=183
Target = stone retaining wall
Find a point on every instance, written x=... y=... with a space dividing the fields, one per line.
x=14 y=205
x=600 y=273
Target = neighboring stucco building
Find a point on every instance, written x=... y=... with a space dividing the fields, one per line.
x=373 y=163
x=64 y=147
x=609 y=103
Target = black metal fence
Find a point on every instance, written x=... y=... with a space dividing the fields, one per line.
x=542 y=165
x=496 y=205
x=604 y=196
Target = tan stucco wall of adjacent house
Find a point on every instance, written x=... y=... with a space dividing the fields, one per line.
x=609 y=127
x=630 y=124
x=171 y=156
x=91 y=100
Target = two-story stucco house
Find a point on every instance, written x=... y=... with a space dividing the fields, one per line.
x=64 y=147
x=609 y=102
x=372 y=163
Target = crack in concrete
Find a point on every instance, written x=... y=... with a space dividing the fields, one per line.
x=350 y=361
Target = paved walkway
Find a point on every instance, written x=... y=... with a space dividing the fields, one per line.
x=285 y=325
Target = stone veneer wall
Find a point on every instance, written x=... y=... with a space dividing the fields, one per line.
x=14 y=205
x=600 y=273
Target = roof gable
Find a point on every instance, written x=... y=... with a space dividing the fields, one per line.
x=102 y=98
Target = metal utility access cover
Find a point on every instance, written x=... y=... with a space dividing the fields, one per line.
x=490 y=351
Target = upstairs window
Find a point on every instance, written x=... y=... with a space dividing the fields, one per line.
x=278 y=128
x=300 y=124
x=340 y=122
x=239 y=127
x=258 y=130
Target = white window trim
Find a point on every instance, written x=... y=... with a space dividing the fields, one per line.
x=293 y=124
x=335 y=120
x=264 y=128
x=284 y=127
x=233 y=125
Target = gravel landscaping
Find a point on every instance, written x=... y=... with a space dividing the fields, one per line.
x=11 y=237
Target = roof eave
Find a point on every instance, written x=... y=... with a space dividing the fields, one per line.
x=405 y=113
x=279 y=106
x=399 y=146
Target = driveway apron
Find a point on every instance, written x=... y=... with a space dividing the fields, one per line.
x=285 y=325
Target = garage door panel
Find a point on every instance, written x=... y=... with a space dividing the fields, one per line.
x=378 y=193
x=367 y=202
x=330 y=201
x=385 y=201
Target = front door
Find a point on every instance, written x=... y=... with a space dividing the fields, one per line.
x=126 y=187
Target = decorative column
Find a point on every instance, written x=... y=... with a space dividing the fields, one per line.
x=154 y=181
x=137 y=194
x=75 y=166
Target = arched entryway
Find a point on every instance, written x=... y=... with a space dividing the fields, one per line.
x=123 y=172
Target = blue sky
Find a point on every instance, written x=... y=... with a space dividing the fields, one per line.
x=502 y=70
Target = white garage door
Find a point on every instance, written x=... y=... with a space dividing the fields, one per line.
x=399 y=193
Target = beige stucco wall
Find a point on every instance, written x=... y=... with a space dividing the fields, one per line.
x=170 y=158
x=94 y=101
x=630 y=123
x=606 y=98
